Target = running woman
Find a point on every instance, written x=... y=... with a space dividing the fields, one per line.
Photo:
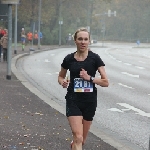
x=81 y=97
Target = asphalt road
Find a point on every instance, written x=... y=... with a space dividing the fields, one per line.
x=123 y=108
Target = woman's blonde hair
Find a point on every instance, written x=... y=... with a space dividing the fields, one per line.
x=79 y=30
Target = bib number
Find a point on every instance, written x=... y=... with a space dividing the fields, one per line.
x=81 y=85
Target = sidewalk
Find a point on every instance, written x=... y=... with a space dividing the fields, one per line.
x=27 y=122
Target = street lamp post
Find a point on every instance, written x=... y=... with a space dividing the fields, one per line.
x=60 y=22
x=9 y=50
x=9 y=53
x=104 y=24
x=33 y=29
x=15 y=34
x=39 y=26
x=89 y=13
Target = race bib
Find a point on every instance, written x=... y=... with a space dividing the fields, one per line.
x=81 y=85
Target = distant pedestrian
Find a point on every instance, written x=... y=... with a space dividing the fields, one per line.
x=2 y=32
x=23 y=38
x=41 y=37
x=138 y=42
x=35 y=41
x=4 y=43
x=5 y=31
x=29 y=37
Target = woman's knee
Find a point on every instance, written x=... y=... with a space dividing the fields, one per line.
x=78 y=138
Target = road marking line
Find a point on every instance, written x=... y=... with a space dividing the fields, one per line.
x=115 y=109
x=114 y=58
x=128 y=108
x=131 y=75
x=46 y=60
x=49 y=73
x=125 y=109
x=139 y=67
x=138 y=111
x=142 y=62
x=125 y=86
x=128 y=64
x=118 y=60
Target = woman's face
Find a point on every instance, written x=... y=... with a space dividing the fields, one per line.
x=82 y=41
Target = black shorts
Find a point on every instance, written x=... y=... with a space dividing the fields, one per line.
x=79 y=108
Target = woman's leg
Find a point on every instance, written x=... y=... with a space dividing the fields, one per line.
x=77 y=130
x=88 y=114
x=86 y=128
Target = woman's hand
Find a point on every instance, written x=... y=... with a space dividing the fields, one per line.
x=84 y=75
x=64 y=83
x=62 y=79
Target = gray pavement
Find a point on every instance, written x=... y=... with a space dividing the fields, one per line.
x=27 y=122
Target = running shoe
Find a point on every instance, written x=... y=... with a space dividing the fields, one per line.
x=71 y=144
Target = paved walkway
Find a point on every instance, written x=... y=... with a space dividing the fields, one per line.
x=27 y=122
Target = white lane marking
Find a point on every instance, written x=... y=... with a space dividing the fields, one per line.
x=128 y=108
x=128 y=64
x=125 y=109
x=46 y=60
x=139 y=67
x=146 y=55
x=115 y=109
x=138 y=111
x=111 y=56
x=114 y=58
x=149 y=94
x=125 y=86
x=125 y=63
x=142 y=62
x=118 y=60
x=131 y=75
x=49 y=73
